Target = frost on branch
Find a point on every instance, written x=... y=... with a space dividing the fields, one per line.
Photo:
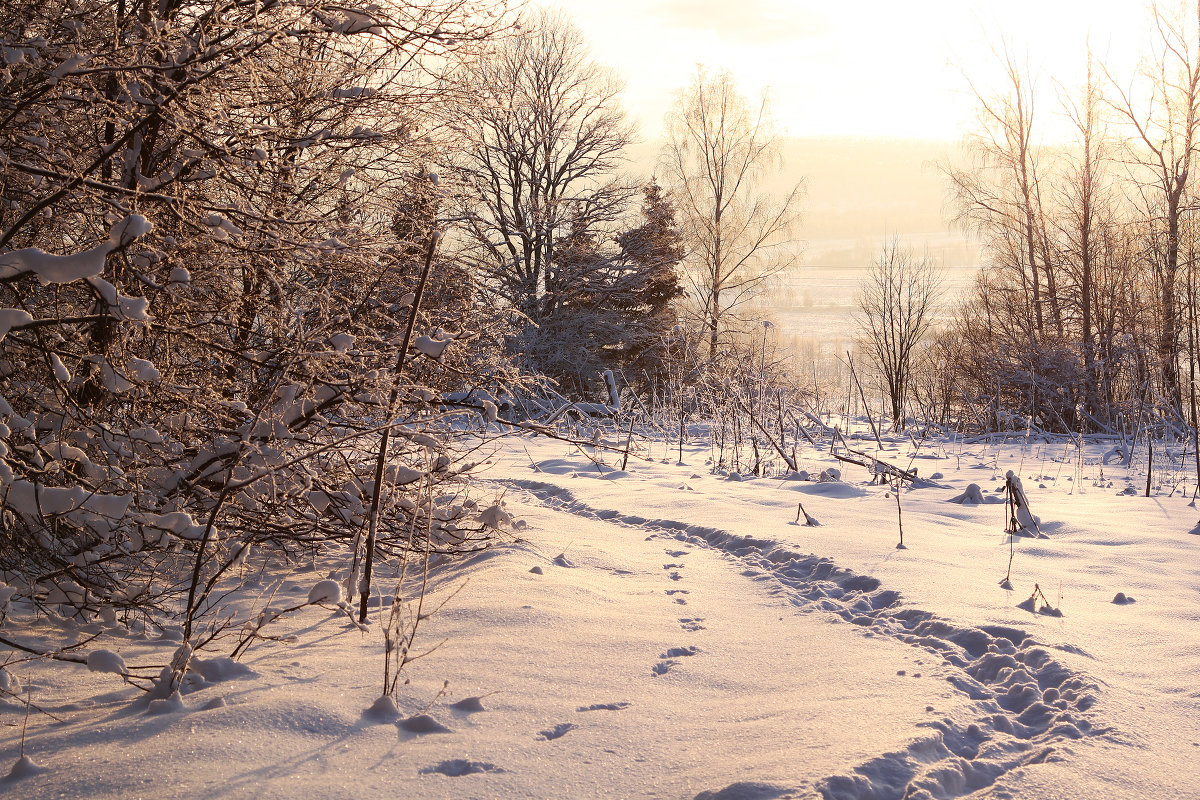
x=55 y=269
x=433 y=346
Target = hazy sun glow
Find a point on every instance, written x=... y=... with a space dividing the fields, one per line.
x=872 y=68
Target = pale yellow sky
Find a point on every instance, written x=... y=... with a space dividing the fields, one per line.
x=890 y=68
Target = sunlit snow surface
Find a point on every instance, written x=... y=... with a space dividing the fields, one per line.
x=668 y=632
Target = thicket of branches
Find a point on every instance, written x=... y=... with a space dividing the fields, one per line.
x=1083 y=318
x=213 y=219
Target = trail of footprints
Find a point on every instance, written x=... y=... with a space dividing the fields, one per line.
x=668 y=659
x=1028 y=704
x=671 y=657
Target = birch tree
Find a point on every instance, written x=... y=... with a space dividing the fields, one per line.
x=719 y=151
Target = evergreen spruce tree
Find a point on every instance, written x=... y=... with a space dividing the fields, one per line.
x=654 y=251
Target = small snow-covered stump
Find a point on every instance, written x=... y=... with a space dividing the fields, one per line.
x=809 y=520
x=1020 y=521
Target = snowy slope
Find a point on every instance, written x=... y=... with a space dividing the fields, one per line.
x=666 y=632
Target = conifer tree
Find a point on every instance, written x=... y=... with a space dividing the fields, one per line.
x=654 y=249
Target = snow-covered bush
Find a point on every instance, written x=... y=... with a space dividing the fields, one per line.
x=196 y=229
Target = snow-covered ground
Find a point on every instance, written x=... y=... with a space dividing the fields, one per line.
x=667 y=632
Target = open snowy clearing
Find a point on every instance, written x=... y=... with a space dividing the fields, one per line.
x=667 y=632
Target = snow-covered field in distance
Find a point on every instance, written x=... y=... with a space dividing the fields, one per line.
x=813 y=303
x=667 y=632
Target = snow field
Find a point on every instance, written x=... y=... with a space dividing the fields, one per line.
x=665 y=632
x=1142 y=655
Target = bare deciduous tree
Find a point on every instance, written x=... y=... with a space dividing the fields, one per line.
x=718 y=151
x=896 y=303
x=1165 y=126
x=1000 y=197
x=546 y=139
x=1087 y=212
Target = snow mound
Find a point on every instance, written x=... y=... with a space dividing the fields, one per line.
x=326 y=591
x=423 y=723
x=382 y=711
x=834 y=489
x=495 y=517
x=169 y=705
x=469 y=705
x=24 y=768
x=555 y=466
x=220 y=669
x=106 y=661
x=972 y=495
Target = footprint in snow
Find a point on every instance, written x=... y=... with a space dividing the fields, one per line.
x=680 y=652
x=677 y=553
x=677 y=591
x=692 y=624
x=617 y=706
x=675 y=576
x=748 y=791
x=557 y=731
x=669 y=659
x=456 y=767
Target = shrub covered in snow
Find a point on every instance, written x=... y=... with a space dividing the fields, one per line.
x=199 y=337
